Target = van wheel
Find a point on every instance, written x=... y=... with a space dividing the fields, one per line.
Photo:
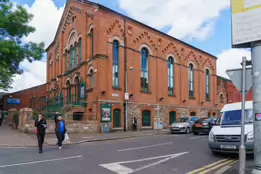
x=195 y=133
x=188 y=130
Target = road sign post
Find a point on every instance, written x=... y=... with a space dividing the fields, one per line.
x=256 y=77
x=246 y=33
x=241 y=78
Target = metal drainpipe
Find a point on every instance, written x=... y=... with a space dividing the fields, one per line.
x=125 y=79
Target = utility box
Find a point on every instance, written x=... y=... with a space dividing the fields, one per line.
x=105 y=127
x=158 y=125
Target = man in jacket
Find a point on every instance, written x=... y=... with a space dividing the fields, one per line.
x=41 y=125
x=59 y=129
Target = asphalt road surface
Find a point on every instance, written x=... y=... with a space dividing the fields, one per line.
x=163 y=154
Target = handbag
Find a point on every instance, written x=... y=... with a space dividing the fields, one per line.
x=66 y=137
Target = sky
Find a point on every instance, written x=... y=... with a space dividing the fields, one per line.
x=205 y=24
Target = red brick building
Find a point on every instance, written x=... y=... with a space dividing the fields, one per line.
x=97 y=52
x=34 y=98
x=232 y=93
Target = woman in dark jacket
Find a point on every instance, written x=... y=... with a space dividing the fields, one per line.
x=59 y=129
x=41 y=125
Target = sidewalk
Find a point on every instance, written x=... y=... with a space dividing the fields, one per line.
x=235 y=168
x=14 y=138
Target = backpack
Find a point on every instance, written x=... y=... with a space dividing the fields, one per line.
x=62 y=127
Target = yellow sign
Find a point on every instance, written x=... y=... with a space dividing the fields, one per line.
x=246 y=23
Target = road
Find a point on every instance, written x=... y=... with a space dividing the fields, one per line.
x=164 y=154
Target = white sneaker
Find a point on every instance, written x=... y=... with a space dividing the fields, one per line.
x=60 y=147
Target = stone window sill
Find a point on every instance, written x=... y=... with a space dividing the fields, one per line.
x=146 y=92
x=116 y=88
x=171 y=95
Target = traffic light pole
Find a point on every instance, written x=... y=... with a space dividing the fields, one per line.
x=256 y=77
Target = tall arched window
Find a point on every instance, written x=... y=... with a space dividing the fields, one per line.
x=92 y=78
x=144 y=70
x=75 y=55
x=71 y=57
x=171 y=75
x=67 y=59
x=221 y=98
x=115 y=66
x=207 y=84
x=191 y=80
x=80 y=48
x=92 y=42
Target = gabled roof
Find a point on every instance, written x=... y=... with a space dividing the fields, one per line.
x=131 y=19
x=223 y=78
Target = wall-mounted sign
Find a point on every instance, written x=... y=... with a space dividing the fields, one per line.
x=115 y=95
x=106 y=113
x=13 y=101
x=246 y=23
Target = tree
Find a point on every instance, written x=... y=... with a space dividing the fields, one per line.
x=14 y=26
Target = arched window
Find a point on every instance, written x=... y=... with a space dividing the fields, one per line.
x=207 y=84
x=171 y=75
x=71 y=57
x=67 y=59
x=92 y=78
x=92 y=42
x=193 y=114
x=221 y=98
x=80 y=48
x=144 y=70
x=191 y=80
x=68 y=92
x=146 y=118
x=75 y=55
x=115 y=66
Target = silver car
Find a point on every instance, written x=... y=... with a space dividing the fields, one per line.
x=183 y=125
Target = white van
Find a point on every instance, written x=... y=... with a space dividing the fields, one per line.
x=224 y=136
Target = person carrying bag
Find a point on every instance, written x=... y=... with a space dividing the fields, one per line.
x=41 y=125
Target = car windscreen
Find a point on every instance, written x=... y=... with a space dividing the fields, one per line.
x=182 y=119
x=234 y=117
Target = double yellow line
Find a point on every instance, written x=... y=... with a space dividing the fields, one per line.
x=213 y=166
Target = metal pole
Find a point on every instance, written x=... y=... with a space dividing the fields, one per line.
x=242 y=149
x=256 y=83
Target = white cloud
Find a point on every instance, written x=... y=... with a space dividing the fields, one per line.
x=46 y=20
x=186 y=18
x=230 y=59
x=34 y=74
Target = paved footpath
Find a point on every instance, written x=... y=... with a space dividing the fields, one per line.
x=14 y=138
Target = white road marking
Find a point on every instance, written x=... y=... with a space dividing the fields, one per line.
x=197 y=137
x=120 y=169
x=43 y=161
x=142 y=147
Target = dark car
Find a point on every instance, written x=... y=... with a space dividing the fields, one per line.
x=203 y=125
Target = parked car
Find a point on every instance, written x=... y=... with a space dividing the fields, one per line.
x=203 y=125
x=183 y=125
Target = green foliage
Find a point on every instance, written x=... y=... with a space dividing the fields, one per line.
x=14 y=28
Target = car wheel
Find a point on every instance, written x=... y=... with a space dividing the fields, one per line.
x=195 y=133
x=188 y=130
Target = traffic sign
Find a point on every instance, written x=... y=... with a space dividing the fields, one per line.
x=235 y=75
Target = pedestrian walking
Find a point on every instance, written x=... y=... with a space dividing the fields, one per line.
x=60 y=129
x=134 y=124
x=41 y=125
x=1 y=117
